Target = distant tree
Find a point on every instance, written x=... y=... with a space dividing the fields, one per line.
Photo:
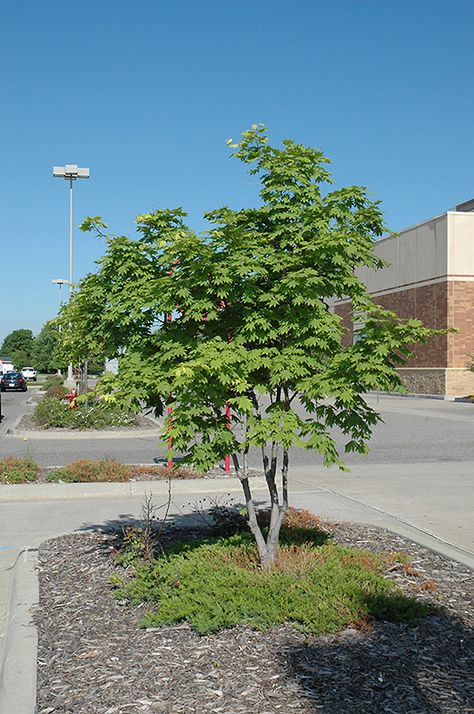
x=45 y=349
x=252 y=325
x=81 y=341
x=18 y=345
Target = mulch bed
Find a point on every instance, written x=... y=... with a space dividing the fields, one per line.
x=93 y=658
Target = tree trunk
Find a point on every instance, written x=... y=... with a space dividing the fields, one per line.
x=253 y=523
x=267 y=548
x=278 y=514
x=84 y=377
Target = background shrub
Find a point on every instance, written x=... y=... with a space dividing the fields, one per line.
x=52 y=412
x=85 y=471
x=57 y=390
x=100 y=415
x=108 y=470
x=53 y=380
x=14 y=470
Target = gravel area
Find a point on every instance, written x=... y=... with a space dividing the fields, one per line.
x=93 y=658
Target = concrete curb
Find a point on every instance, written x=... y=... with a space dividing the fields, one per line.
x=127 y=489
x=18 y=663
x=352 y=510
x=412 y=395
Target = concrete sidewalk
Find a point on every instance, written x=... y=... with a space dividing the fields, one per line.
x=385 y=496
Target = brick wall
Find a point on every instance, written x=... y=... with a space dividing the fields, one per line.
x=344 y=310
x=428 y=303
x=440 y=305
x=461 y=316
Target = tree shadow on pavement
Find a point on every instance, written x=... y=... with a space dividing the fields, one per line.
x=210 y=517
x=394 y=669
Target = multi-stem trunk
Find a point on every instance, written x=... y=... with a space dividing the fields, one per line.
x=267 y=540
x=267 y=544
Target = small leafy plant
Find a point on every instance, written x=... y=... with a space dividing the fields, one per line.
x=134 y=546
x=139 y=542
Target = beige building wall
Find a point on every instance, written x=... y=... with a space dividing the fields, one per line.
x=461 y=245
x=417 y=256
x=431 y=277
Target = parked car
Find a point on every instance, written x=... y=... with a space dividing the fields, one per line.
x=13 y=380
x=29 y=373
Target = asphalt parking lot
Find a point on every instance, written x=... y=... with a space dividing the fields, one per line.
x=413 y=430
x=420 y=469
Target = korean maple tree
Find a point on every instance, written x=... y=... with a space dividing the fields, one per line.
x=242 y=315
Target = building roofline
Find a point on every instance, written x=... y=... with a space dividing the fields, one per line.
x=451 y=212
x=395 y=234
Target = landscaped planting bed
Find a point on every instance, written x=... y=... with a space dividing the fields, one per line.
x=94 y=657
x=15 y=470
x=55 y=412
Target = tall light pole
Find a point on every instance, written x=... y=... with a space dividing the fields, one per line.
x=70 y=172
x=60 y=282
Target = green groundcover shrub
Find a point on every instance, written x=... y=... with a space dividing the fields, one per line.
x=15 y=470
x=53 y=412
x=218 y=583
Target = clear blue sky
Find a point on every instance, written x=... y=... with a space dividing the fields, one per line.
x=145 y=93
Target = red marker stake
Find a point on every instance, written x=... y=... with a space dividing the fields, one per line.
x=227 y=456
x=170 y=439
x=170 y=411
x=227 y=414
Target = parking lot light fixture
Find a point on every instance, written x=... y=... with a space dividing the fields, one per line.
x=60 y=282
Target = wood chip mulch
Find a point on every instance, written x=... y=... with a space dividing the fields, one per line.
x=93 y=658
